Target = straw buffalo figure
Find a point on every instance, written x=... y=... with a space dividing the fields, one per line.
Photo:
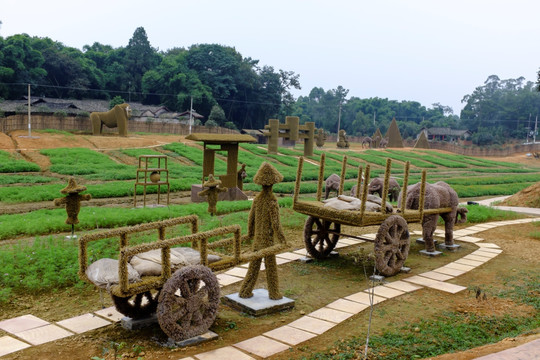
x=376 y=187
x=116 y=117
x=438 y=195
x=384 y=143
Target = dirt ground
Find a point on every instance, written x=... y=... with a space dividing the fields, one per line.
x=529 y=197
x=312 y=285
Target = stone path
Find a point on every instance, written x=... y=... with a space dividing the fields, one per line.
x=29 y=330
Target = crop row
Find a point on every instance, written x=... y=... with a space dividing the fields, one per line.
x=12 y=163
x=184 y=169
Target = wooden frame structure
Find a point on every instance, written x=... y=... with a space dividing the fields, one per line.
x=146 y=179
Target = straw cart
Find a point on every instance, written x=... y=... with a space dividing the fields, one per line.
x=185 y=301
x=322 y=229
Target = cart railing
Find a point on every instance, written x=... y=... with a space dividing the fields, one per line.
x=155 y=282
x=361 y=216
x=123 y=239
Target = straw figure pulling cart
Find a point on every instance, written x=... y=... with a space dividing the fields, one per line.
x=322 y=228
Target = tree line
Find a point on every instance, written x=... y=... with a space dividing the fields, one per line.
x=229 y=88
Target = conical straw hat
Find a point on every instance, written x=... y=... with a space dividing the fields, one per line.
x=267 y=175
x=72 y=187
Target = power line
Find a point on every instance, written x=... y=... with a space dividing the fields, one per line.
x=412 y=118
x=136 y=93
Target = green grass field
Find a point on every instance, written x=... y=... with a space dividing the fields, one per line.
x=107 y=176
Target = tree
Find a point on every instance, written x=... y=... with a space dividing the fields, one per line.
x=139 y=58
x=501 y=105
x=173 y=76
x=117 y=100
x=217 y=114
x=21 y=63
x=211 y=123
x=216 y=66
x=69 y=72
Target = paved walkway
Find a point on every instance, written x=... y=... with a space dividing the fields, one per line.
x=28 y=330
x=528 y=351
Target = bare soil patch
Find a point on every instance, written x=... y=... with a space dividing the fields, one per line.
x=19 y=139
x=5 y=142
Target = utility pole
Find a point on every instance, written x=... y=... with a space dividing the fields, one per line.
x=374 y=112
x=191 y=115
x=528 y=128
x=535 y=129
x=339 y=118
x=29 y=114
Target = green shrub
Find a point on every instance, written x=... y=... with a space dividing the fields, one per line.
x=60 y=113
x=117 y=100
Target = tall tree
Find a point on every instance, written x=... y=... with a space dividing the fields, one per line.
x=177 y=83
x=501 y=107
x=139 y=58
x=21 y=63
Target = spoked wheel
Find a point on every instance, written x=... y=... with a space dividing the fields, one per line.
x=320 y=236
x=137 y=306
x=391 y=245
x=192 y=310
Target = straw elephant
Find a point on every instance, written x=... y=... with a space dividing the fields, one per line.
x=332 y=184
x=376 y=187
x=438 y=195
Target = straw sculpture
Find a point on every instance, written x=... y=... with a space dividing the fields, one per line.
x=264 y=227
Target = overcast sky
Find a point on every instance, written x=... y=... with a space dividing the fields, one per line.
x=427 y=51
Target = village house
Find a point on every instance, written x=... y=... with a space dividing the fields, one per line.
x=445 y=134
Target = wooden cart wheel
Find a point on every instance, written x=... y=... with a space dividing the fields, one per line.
x=320 y=236
x=192 y=310
x=391 y=245
x=137 y=306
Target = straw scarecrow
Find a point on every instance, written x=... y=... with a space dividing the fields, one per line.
x=212 y=193
x=264 y=227
x=72 y=201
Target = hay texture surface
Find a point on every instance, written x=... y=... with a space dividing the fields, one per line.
x=264 y=227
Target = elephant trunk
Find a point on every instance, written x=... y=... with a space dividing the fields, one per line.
x=461 y=215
